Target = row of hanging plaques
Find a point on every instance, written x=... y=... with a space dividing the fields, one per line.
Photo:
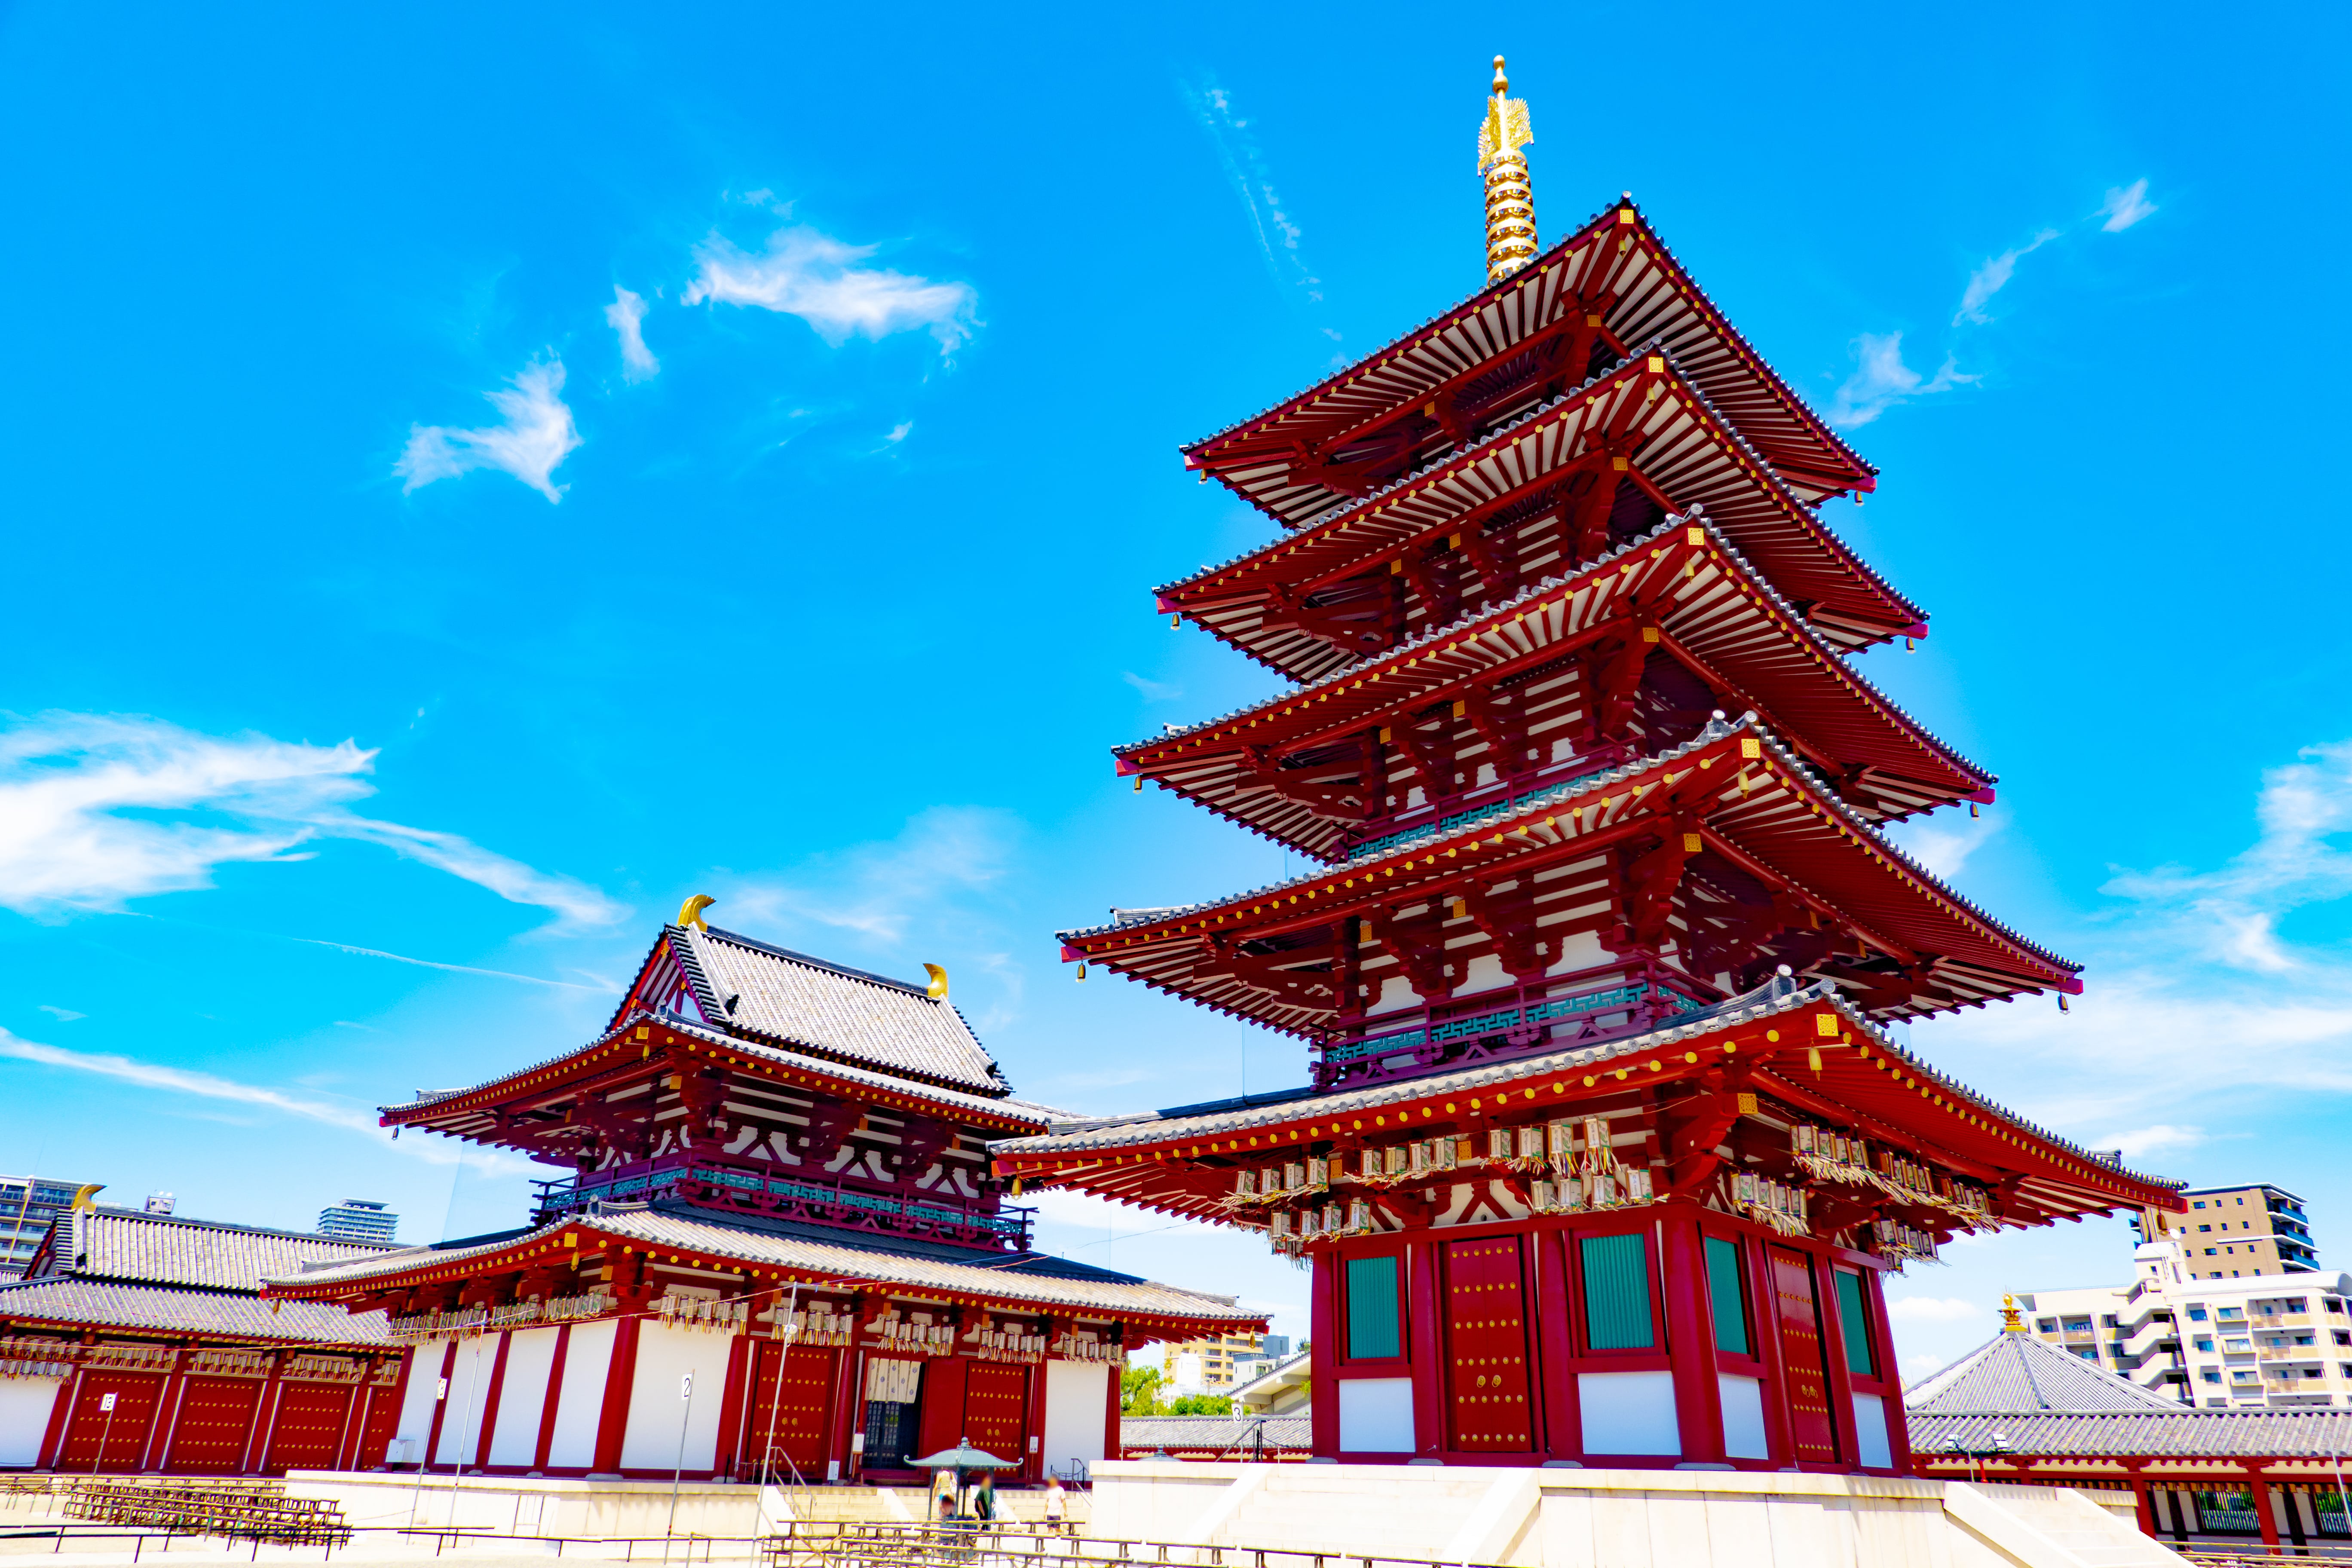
x=1567 y=1148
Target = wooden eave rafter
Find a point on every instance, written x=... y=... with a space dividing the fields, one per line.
x=1714 y=614
x=549 y=1249
x=1643 y=422
x=1614 y=262
x=1862 y=1084
x=1750 y=802
x=641 y=1047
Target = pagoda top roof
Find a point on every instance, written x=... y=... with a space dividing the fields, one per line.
x=1650 y=295
x=754 y=990
x=1110 y=1154
x=1726 y=614
x=1032 y=1281
x=1847 y=867
x=474 y=1112
x=1679 y=441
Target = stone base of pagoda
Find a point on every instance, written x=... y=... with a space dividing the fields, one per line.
x=1563 y=1518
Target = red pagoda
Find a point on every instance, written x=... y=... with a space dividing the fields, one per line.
x=1607 y=1148
x=780 y=1203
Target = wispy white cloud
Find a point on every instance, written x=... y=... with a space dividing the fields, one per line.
x=1881 y=380
x=537 y=435
x=62 y=1015
x=626 y=316
x=881 y=890
x=2125 y=206
x=447 y=968
x=1943 y=844
x=97 y=810
x=899 y=432
x=1244 y=166
x=1153 y=691
x=811 y=274
x=2140 y=1142
x=1931 y=1310
x=1993 y=275
x=187 y=1084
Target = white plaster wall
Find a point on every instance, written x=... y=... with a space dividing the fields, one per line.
x=1376 y=1415
x=522 y=1396
x=1743 y=1417
x=666 y=1356
x=1077 y=1399
x=1870 y=1430
x=1629 y=1413
x=416 y=1404
x=469 y=1386
x=25 y=1406
x=581 y=1403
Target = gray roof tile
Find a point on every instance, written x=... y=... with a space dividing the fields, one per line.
x=1190 y=1434
x=2177 y=1433
x=161 y=1249
x=107 y=1305
x=2017 y=1371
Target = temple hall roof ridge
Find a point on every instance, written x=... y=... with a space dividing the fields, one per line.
x=2016 y=1372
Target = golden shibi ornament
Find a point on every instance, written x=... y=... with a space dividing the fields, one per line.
x=1510 y=202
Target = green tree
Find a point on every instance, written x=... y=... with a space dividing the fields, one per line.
x=1199 y=1404
x=1138 y=1391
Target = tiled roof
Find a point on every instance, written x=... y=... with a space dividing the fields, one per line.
x=1002 y=1279
x=105 y=1304
x=161 y=1250
x=2176 y=1433
x=807 y=1002
x=1190 y=1433
x=2016 y=1372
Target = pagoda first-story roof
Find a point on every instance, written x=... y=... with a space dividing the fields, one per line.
x=536 y=1108
x=771 y=1260
x=1494 y=353
x=73 y=1305
x=753 y=991
x=1692 y=1102
x=1533 y=498
x=1726 y=847
x=1512 y=689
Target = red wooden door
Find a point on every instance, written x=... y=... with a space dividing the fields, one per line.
x=1798 y=1309
x=942 y=1410
x=381 y=1421
x=794 y=1427
x=308 y=1427
x=136 y=1395
x=995 y=1400
x=1486 y=1384
x=215 y=1422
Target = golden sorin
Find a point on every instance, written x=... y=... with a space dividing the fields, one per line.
x=1511 y=204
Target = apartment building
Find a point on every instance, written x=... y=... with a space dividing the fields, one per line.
x=28 y=1205
x=2272 y=1340
x=1214 y=1363
x=2235 y=1232
x=359 y=1219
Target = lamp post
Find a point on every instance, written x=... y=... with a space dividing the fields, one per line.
x=1952 y=1445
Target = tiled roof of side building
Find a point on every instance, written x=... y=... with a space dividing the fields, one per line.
x=167 y=1250
x=2174 y=1432
x=108 y=1306
x=1190 y=1433
x=2017 y=1371
x=1002 y=1279
x=821 y=1007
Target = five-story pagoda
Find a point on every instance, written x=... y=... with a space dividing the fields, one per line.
x=1607 y=1148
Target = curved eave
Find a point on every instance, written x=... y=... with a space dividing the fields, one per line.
x=1492 y=321
x=1723 y=615
x=1177 y=1164
x=1815 y=843
x=1685 y=447
x=470 y=1113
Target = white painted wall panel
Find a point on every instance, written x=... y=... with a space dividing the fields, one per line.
x=656 y=1413
x=1870 y=1431
x=1629 y=1413
x=522 y=1396
x=1078 y=1402
x=1376 y=1415
x=1743 y=1417
x=415 y=1406
x=581 y=1403
x=469 y=1386
x=25 y=1406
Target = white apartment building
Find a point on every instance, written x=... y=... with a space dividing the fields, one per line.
x=2263 y=1340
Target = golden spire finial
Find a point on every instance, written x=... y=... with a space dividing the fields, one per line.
x=2010 y=1323
x=1511 y=203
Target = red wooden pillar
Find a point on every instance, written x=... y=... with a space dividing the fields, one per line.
x=159 y=1424
x=2140 y=1500
x=549 y=1405
x=60 y=1417
x=1323 y=1383
x=265 y=1416
x=1690 y=1340
x=732 y=1409
x=2264 y=1516
x=1115 y=1414
x=491 y=1400
x=440 y=1405
x=397 y=1394
x=1556 y=1347
x=1780 y=1429
x=1033 y=1424
x=613 y=1417
x=849 y=1411
x=1425 y=1348
x=355 y=1415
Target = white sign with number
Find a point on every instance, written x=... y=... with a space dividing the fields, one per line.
x=686 y=1386
x=106 y=1404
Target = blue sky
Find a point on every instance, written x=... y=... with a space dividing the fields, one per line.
x=478 y=476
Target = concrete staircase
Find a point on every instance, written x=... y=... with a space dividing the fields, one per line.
x=2086 y=1534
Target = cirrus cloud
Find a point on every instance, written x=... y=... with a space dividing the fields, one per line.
x=537 y=435
x=814 y=275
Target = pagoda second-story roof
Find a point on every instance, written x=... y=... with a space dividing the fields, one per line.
x=1751 y=799
x=1647 y=413
x=132 y=1247
x=1713 y=610
x=781 y=1256
x=501 y=1110
x=754 y=990
x=1615 y=260
x=1178 y=1161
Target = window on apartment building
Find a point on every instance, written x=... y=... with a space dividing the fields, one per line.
x=2047 y=1325
x=2204 y=1227
x=2298 y=1304
x=2228 y=1312
x=2209 y=1252
x=2334 y=1305
x=2198 y=1204
x=2343 y=1337
x=2196 y=1312
x=2211 y=1376
x=2205 y=1345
